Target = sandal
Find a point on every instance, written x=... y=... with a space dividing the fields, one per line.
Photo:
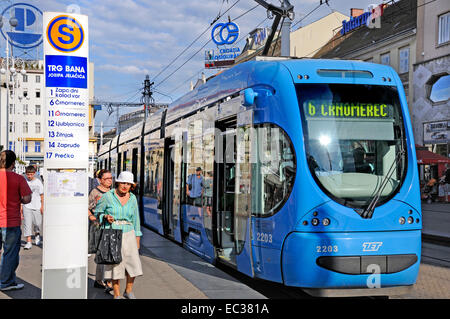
x=99 y=285
x=108 y=288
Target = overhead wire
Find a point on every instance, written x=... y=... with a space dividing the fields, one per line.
x=196 y=52
x=200 y=70
x=308 y=14
x=195 y=40
x=163 y=94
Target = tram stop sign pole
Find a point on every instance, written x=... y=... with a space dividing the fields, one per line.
x=66 y=160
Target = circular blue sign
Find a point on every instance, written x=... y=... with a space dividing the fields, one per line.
x=231 y=31
x=28 y=32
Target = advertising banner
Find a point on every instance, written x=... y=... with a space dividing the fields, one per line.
x=436 y=132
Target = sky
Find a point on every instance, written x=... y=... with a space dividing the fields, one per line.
x=129 y=39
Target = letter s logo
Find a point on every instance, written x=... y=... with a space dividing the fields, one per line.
x=65 y=33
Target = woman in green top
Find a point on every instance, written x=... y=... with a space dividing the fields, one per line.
x=119 y=207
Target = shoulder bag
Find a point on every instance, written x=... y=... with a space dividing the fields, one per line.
x=109 y=249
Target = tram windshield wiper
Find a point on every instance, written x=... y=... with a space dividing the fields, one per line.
x=368 y=212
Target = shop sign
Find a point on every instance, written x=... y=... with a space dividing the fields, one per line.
x=371 y=19
x=221 y=57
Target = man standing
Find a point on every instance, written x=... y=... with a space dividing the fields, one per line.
x=195 y=188
x=14 y=191
x=32 y=212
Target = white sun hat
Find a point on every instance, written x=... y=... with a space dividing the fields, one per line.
x=125 y=177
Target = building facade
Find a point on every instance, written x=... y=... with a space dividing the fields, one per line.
x=431 y=77
x=391 y=41
x=305 y=41
x=22 y=111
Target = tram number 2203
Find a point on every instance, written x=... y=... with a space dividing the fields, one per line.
x=264 y=237
x=327 y=249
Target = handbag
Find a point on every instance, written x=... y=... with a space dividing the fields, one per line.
x=94 y=236
x=109 y=249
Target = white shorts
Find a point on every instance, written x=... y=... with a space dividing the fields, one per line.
x=31 y=217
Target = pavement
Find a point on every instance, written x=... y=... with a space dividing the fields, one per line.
x=171 y=272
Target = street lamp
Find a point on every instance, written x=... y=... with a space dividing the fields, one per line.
x=18 y=125
x=13 y=22
x=8 y=68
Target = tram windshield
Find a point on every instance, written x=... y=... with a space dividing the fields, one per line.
x=353 y=135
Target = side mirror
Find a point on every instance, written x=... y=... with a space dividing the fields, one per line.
x=248 y=97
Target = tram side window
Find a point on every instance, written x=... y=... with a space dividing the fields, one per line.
x=208 y=177
x=147 y=174
x=125 y=161
x=113 y=163
x=195 y=171
x=119 y=163
x=154 y=174
x=136 y=168
x=273 y=169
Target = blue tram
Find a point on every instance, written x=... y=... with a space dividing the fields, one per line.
x=300 y=172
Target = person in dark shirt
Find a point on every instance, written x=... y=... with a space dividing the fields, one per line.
x=14 y=191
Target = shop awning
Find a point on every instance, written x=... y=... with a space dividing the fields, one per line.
x=424 y=156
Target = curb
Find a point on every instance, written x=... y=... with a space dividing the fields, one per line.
x=436 y=239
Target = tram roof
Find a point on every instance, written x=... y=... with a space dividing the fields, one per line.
x=264 y=71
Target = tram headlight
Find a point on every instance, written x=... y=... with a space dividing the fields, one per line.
x=325 y=222
x=402 y=220
x=315 y=221
x=410 y=220
x=324 y=140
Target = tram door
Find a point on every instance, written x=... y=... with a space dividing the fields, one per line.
x=168 y=187
x=232 y=196
x=172 y=188
x=225 y=170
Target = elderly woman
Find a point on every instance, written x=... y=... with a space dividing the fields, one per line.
x=105 y=178
x=120 y=209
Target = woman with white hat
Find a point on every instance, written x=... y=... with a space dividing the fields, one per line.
x=120 y=208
